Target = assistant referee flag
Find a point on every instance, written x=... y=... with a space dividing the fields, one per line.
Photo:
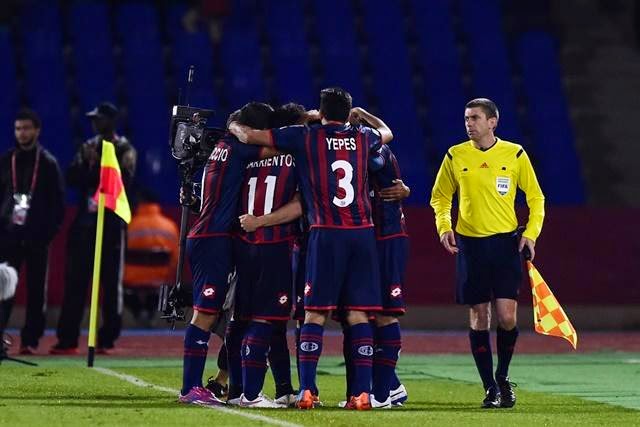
x=548 y=317
x=111 y=184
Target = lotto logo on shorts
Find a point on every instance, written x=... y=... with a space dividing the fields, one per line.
x=307 y=289
x=365 y=350
x=396 y=291
x=309 y=346
x=209 y=291
x=283 y=299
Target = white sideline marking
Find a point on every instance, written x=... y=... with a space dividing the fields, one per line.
x=140 y=383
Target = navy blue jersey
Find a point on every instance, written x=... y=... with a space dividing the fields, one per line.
x=387 y=216
x=331 y=161
x=221 y=181
x=268 y=185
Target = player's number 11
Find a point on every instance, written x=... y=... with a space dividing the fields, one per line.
x=270 y=180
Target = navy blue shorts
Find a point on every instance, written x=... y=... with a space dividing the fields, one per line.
x=393 y=254
x=211 y=264
x=298 y=261
x=487 y=268
x=264 y=283
x=342 y=269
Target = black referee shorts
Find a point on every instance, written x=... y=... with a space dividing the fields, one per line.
x=487 y=268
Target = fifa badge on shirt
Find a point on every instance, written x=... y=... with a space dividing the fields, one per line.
x=21 y=205
x=503 y=184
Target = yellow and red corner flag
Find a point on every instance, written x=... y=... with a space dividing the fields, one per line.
x=548 y=317
x=111 y=184
x=110 y=194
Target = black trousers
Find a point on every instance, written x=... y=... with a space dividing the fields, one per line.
x=36 y=257
x=78 y=275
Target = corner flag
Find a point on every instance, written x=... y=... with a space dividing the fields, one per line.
x=111 y=184
x=111 y=194
x=548 y=317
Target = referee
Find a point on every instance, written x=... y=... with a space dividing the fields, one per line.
x=486 y=172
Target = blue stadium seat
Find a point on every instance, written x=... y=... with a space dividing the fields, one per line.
x=334 y=27
x=392 y=76
x=94 y=83
x=553 y=139
x=241 y=57
x=45 y=77
x=442 y=73
x=293 y=79
x=491 y=71
x=9 y=98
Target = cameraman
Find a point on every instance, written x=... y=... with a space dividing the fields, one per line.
x=31 y=212
x=84 y=176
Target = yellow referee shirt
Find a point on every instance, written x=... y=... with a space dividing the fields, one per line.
x=486 y=183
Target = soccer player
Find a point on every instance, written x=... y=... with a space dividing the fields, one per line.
x=486 y=172
x=209 y=246
x=263 y=264
x=387 y=192
x=341 y=261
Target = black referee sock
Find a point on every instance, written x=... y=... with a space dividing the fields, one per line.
x=481 y=350
x=506 y=343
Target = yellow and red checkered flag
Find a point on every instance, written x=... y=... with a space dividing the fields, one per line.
x=548 y=317
x=111 y=184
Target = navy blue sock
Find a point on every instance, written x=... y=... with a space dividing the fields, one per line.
x=298 y=353
x=346 y=352
x=362 y=357
x=387 y=345
x=506 y=343
x=395 y=381
x=310 y=350
x=233 y=341
x=196 y=344
x=481 y=350
x=255 y=347
x=279 y=360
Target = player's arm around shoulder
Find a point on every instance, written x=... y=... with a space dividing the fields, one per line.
x=251 y=136
x=360 y=115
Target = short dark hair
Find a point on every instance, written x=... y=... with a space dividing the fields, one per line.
x=287 y=115
x=233 y=117
x=256 y=115
x=335 y=104
x=29 y=114
x=488 y=107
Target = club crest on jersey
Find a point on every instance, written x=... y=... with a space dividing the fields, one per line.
x=365 y=350
x=307 y=289
x=503 y=184
x=209 y=291
x=396 y=291
x=283 y=299
x=309 y=346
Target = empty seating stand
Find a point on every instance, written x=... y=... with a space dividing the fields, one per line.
x=9 y=98
x=553 y=140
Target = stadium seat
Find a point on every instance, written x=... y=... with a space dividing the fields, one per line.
x=491 y=71
x=392 y=75
x=553 y=139
x=290 y=53
x=334 y=28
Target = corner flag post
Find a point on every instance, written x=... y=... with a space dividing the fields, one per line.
x=95 y=284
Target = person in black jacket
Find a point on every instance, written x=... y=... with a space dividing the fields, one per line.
x=31 y=212
x=84 y=176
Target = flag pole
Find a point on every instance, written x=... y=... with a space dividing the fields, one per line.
x=95 y=286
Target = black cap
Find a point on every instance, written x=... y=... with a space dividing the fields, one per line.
x=104 y=109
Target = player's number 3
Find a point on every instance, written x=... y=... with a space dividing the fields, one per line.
x=344 y=183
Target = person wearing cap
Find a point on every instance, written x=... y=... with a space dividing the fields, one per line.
x=31 y=212
x=84 y=175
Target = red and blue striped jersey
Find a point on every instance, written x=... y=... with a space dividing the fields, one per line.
x=268 y=185
x=331 y=161
x=221 y=182
x=387 y=216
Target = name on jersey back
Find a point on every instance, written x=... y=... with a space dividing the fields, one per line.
x=341 y=143
x=279 y=161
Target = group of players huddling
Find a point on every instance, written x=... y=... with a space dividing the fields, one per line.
x=318 y=197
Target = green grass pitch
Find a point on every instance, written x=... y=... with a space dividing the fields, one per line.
x=592 y=389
